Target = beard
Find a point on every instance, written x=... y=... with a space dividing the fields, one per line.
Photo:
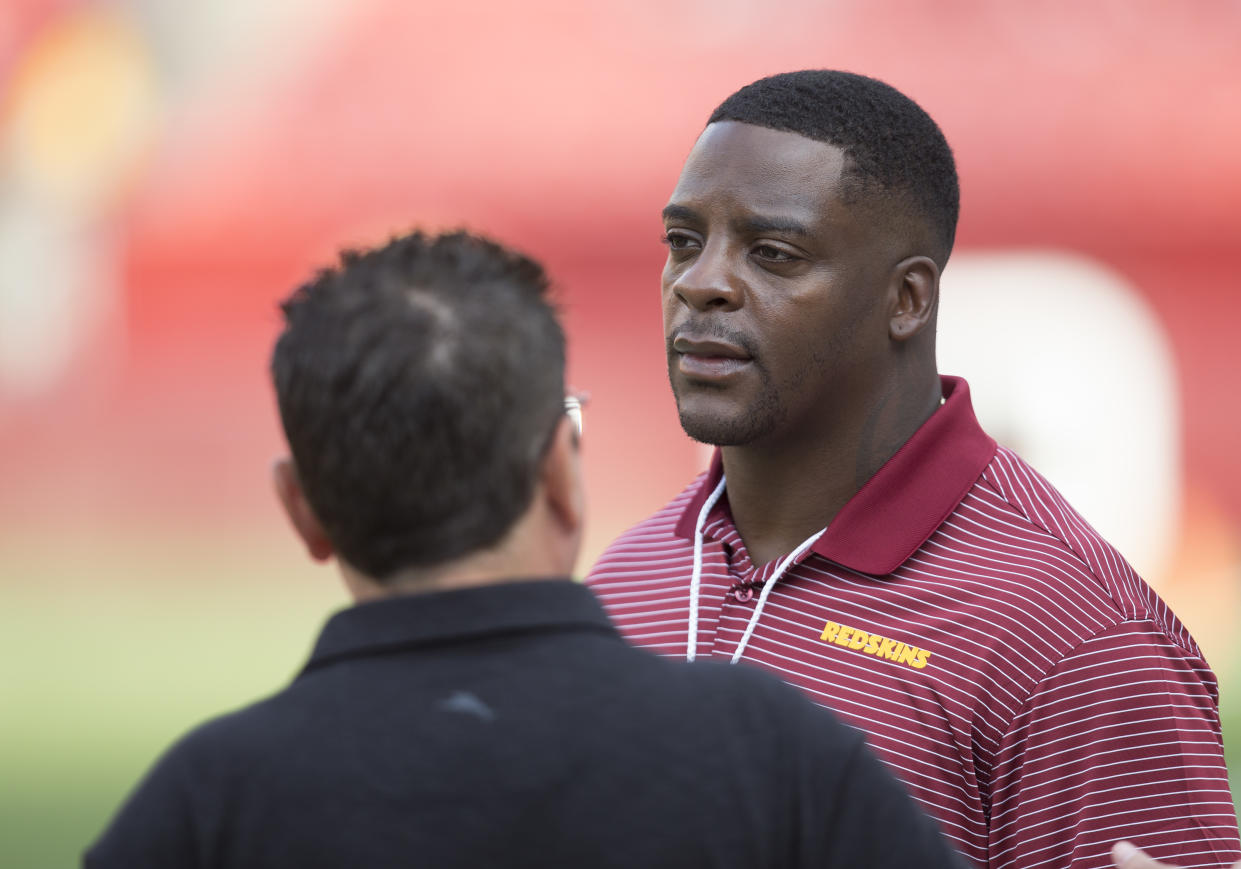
x=724 y=424
x=713 y=414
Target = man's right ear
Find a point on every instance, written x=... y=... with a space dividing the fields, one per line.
x=562 y=478
x=297 y=508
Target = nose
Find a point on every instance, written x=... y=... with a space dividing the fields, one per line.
x=706 y=282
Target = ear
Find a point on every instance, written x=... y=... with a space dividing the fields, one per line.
x=297 y=508
x=562 y=479
x=916 y=285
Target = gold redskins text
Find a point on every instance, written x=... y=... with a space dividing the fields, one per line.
x=860 y=640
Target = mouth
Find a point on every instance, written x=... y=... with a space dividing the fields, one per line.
x=709 y=359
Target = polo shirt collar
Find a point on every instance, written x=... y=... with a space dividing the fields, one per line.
x=905 y=501
x=409 y=621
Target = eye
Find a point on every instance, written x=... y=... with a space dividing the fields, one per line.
x=771 y=253
x=677 y=240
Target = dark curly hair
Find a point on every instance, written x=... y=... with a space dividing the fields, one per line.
x=418 y=385
x=892 y=145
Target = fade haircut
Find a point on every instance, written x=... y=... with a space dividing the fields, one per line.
x=419 y=385
x=892 y=146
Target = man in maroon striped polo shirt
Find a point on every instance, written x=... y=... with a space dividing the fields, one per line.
x=860 y=535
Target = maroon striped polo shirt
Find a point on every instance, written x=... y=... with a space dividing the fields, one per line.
x=1036 y=696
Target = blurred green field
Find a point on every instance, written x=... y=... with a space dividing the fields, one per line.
x=108 y=652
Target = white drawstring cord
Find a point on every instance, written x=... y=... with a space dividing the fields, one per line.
x=691 y=645
x=695 y=581
x=768 y=586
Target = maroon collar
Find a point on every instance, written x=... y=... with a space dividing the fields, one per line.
x=905 y=501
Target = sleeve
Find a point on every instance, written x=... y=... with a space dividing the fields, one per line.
x=154 y=826
x=1119 y=740
x=853 y=812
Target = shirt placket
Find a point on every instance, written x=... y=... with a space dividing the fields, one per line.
x=740 y=597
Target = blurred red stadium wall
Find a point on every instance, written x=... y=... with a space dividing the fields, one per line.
x=1105 y=129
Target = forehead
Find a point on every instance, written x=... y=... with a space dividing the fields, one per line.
x=758 y=170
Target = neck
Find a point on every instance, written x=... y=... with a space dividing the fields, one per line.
x=781 y=492
x=535 y=547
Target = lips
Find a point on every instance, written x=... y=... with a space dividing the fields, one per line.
x=708 y=348
x=709 y=358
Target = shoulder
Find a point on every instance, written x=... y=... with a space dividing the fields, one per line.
x=1061 y=556
x=809 y=764
x=1036 y=504
x=753 y=701
x=185 y=792
x=233 y=740
x=648 y=542
x=1132 y=659
x=225 y=752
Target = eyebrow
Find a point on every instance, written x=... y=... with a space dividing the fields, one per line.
x=752 y=225
x=757 y=224
x=680 y=212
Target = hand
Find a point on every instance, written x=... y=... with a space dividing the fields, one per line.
x=1126 y=855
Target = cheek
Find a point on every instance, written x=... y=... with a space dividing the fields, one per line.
x=806 y=340
x=790 y=329
x=667 y=300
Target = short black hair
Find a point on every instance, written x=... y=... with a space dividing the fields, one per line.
x=419 y=384
x=892 y=145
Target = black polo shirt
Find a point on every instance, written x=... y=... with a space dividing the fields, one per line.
x=509 y=725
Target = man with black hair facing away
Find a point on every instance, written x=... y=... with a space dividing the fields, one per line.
x=858 y=534
x=475 y=707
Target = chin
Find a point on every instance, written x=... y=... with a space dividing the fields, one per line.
x=725 y=424
x=720 y=431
